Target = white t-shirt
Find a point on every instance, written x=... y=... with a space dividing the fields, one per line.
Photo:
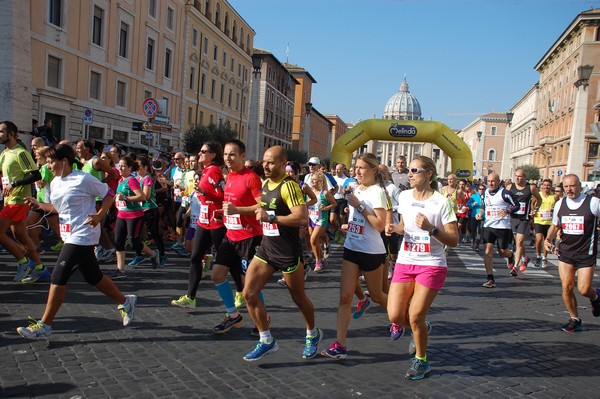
x=74 y=197
x=340 y=182
x=361 y=236
x=195 y=207
x=418 y=247
x=394 y=193
x=307 y=181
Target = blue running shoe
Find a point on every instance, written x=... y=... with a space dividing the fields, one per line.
x=183 y=251
x=136 y=261
x=37 y=275
x=335 y=351
x=23 y=270
x=362 y=306
x=162 y=261
x=311 y=345
x=418 y=369
x=176 y=246
x=261 y=350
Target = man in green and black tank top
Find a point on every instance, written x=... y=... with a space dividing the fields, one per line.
x=282 y=212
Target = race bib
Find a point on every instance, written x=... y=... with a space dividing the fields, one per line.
x=314 y=214
x=233 y=222
x=121 y=205
x=5 y=182
x=522 y=206
x=185 y=200
x=270 y=229
x=417 y=243
x=204 y=214
x=493 y=213
x=356 y=227
x=64 y=224
x=572 y=225
x=545 y=214
x=177 y=192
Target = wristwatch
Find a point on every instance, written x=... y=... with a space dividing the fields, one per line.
x=272 y=218
x=360 y=208
x=434 y=232
x=13 y=184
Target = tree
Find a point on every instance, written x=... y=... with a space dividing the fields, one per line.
x=200 y=134
x=532 y=172
x=296 y=155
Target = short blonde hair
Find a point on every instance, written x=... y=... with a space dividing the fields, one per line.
x=320 y=178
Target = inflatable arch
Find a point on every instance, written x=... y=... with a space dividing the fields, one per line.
x=411 y=131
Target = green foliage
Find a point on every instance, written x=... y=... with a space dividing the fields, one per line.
x=296 y=155
x=200 y=134
x=532 y=172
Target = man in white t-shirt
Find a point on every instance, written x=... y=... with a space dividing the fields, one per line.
x=337 y=216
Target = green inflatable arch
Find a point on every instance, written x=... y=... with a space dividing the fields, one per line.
x=410 y=131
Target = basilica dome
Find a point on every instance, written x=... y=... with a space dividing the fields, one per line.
x=403 y=105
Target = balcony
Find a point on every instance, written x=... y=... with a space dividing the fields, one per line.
x=546 y=140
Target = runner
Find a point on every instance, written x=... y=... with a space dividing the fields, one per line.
x=282 y=212
x=244 y=233
x=543 y=220
x=318 y=214
x=576 y=215
x=19 y=172
x=524 y=192
x=364 y=249
x=209 y=228
x=73 y=196
x=498 y=205
x=428 y=224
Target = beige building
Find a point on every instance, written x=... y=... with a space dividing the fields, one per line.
x=89 y=65
x=521 y=145
x=569 y=101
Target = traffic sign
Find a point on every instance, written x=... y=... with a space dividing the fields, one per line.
x=149 y=135
x=150 y=107
x=88 y=114
x=559 y=172
x=156 y=127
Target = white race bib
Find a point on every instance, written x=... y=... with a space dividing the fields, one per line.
x=121 y=205
x=233 y=222
x=356 y=227
x=522 y=206
x=5 y=182
x=417 y=244
x=64 y=224
x=572 y=225
x=270 y=229
x=492 y=212
x=204 y=214
x=545 y=214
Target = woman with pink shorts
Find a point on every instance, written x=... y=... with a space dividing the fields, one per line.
x=427 y=223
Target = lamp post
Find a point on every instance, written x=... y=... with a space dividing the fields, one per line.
x=577 y=142
x=480 y=152
x=505 y=169
x=253 y=149
x=307 y=109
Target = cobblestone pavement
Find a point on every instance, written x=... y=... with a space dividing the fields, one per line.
x=494 y=343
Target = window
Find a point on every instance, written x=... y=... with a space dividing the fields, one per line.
x=170 y=18
x=95 y=132
x=55 y=12
x=492 y=155
x=229 y=97
x=194 y=38
x=147 y=94
x=121 y=92
x=95 y=85
x=213 y=86
x=593 y=150
x=494 y=131
x=152 y=8
x=54 y=67
x=203 y=84
x=168 y=63
x=189 y=118
x=222 y=98
x=232 y=65
x=166 y=100
x=215 y=53
x=120 y=135
x=97 y=26
x=150 y=54
x=224 y=59
x=205 y=45
x=123 y=37
x=192 y=77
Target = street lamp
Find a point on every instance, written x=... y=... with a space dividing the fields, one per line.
x=254 y=147
x=584 y=72
x=479 y=133
x=479 y=154
x=509 y=117
x=307 y=108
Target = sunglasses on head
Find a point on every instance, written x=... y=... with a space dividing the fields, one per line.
x=416 y=170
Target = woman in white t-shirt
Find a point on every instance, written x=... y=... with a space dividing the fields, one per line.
x=427 y=223
x=364 y=250
x=73 y=196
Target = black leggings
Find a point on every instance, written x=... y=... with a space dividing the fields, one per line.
x=73 y=257
x=129 y=228
x=203 y=240
x=152 y=223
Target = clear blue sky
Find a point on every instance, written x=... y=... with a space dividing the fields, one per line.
x=461 y=58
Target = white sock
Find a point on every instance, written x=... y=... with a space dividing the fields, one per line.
x=311 y=333
x=265 y=337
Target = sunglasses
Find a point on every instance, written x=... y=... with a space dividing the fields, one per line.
x=312 y=164
x=414 y=171
x=204 y=151
x=179 y=159
x=481 y=188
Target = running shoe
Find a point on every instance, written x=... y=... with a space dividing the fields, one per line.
x=127 y=309
x=326 y=251
x=40 y=250
x=538 y=262
x=37 y=275
x=524 y=263
x=254 y=331
x=282 y=282
x=23 y=270
x=116 y=275
x=261 y=350
x=396 y=331
x=239 y=299
x=307 y=270
x=36 y=330
x=335 y=351
x=154 y=260
x=58 y=246
x=362 y=306
x=510 y=262
x=228 y=323
x=99 y=252
x=544 y=263
x=185 y=302
x=418 y=369
x=136 y=261
x=183 y=251
x=412 y=348
x=108 y=256
x=513 y=271
x=596 y=304
x=319 y=266
x=572 y=326
x=361 y=278
x=311 y=345
x=489 y=284
x=176 y=246
x=162 y=262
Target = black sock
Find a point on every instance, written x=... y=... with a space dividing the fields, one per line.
x=490 y=277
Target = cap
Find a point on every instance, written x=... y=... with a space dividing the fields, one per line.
x=157 y=165
x=314 y=161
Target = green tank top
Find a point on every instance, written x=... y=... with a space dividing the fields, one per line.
x=124 y=189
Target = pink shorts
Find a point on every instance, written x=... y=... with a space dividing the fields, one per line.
x=432 y=277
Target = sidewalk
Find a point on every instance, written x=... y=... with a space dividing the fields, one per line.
x=502 y=342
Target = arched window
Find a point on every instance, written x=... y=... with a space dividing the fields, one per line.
x=492 y=155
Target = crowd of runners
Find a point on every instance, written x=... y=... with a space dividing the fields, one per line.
x=251 y=219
